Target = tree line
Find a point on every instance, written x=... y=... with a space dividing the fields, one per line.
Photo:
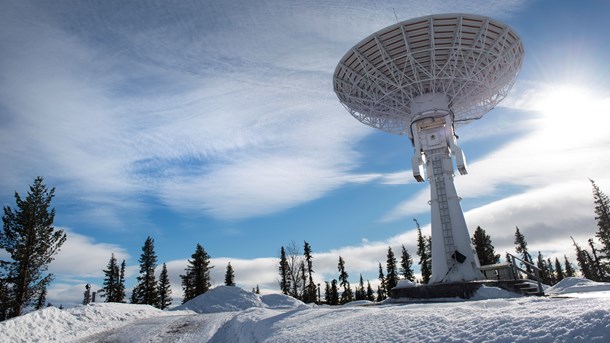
x=296 y=271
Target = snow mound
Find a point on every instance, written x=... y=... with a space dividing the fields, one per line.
x=281 y=301
x=487 y=292
x=53 y=324
x=222 y=299
x=577 y=285
x=404 y=283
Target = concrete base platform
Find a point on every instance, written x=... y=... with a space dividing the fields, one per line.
x=463 y=290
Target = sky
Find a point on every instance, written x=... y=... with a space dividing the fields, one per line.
x=215 y=122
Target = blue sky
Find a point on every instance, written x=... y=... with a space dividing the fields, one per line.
x=214 y=122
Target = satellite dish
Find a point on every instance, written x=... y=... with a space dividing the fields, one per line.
x=423 y=77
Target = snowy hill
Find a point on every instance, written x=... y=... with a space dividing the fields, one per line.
x=230 y=314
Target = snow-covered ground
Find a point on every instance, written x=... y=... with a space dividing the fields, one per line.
x=230 y=314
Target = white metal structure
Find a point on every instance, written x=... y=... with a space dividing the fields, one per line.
x=423 y=77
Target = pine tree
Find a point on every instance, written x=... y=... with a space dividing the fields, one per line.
x=164 y=288
x=42 y=299
x=145 y=292
x=521 y=248
x=391 y=271
x=284 y=273
x=327 y=292
x=584 y=261
x=112 y=280
x=347 y=294
x=197 y=279
x=4 y=298
x=485 y=250
x=406 y=265
x=551 y=272
x=543 y=270
x=31 y=241
x=423 y=248
x=381 y=289
x=559 y=270
x=369 y=292
x=229 y=276
x=257 y=291
x=360 y=291
x=602 y=216
x=570 y=272
x=309 y=295
x=600 y=269
x=120 y=291
x=334 y=293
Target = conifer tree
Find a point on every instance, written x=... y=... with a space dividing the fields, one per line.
x=4 y=298
x=327 y=292
x=334 y=293
x=120 y=291
x=309 y=295
x=584 y=262
x=559 y=270
x=360 y=291
x=391 y=271
x=197 y=279
x=347 y=294
x=257 y=291
x=600 y=269
x=30 y=240
x=284 y=273
x=381 y=289
x=111 y=280
x=369 y=292
x=145 y=291
x=164 y=289
x=406 y=265
x=521 y=248
x=543 y=270
x=602 y=216
x=423 y=248
x=551 y=272
x=295 y=266
x=229 y=276
x=570 y=272
x=42 y=299
x=485 y=250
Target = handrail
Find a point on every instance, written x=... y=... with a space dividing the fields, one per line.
x=535 y=276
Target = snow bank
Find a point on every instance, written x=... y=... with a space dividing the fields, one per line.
x=229 y=299
x=52 y=324
x=281 y=301
x=486 y=292
x=404 y=283
x=577 y=285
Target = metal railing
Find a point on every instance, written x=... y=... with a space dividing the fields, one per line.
x=535 y=275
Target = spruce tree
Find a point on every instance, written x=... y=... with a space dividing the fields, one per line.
x=145 y=292
x=309 y=295
x=602 y=216
x=391 y=271
x=570 y=272
x=30 y=240
x=4 y=298
x=327 y=292
x=543 y=270
x=381 y=289
x=284 y=273
x=551 y=272
x=406 y=265
x=120 y=292
x=197 y=279
x=521 y=248
x=369 y=292
x=485 y=250
x=347 y=294
x=423 y=248
x=334 y=293
x=360 y=291
x=600 y=269
x=42 y=299
x=164 y=289
x=584 y=261
x=229 y=276
x=559 y=270
x=111 y=280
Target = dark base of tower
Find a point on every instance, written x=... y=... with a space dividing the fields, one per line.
x=464 y=290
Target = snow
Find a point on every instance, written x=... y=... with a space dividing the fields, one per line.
x=404 y=283
x=577 y=285
x=230 y=314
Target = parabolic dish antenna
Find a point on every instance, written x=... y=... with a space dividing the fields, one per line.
x=423 y=77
